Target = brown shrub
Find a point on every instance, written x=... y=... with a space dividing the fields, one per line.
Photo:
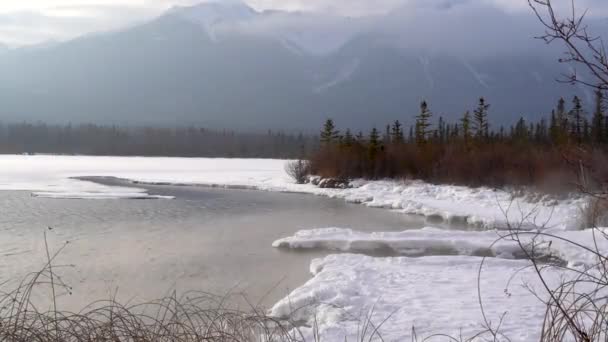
x=495 y=164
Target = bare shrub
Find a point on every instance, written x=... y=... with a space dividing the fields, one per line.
x=595 y=213
x=299 y=170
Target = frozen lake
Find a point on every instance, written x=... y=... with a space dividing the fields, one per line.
x=205 y=239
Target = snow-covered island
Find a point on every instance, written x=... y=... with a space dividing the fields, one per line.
x=431 y=278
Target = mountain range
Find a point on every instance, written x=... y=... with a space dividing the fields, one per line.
x=225 y=65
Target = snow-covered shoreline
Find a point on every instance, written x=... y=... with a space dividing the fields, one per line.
x=58 y=177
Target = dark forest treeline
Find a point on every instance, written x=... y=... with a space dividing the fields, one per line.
x=93 y=139
x=548 y=153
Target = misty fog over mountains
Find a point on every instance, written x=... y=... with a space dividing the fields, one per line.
x=224 y=64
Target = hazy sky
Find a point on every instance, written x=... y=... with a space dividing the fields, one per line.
x=33 y=21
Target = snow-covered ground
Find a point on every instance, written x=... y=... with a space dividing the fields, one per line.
x=436 y=293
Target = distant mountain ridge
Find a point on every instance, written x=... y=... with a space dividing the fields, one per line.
x=223 y=64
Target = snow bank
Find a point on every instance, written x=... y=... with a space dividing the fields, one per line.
x=426 y=241
x=433 y=294
x=556 y=244
x=53 y=176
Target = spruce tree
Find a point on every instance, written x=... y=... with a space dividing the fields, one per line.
x=387 y=135
x=374 y=143
x=360 y=138
x=554 y=128
x=521 y=133
x=441 y=130
x=423 y=123
x=561 y=129
x=410 y=137
x=466 y=127
x=348 y=140
x=561 y=112
x=480 y=120
x=576 y=120
x=597 y=123
x=397 y=133
x=329 y=134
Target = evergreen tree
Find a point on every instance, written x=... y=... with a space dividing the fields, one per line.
x=441 y=130
x=374 y=143
x=397 y=133
x=597 y=123
x=576 y=120
x=521 y=132
x=329 y=134
x=561 y=113
x=559 y=128
x=480 y=120
x=423 y=124
x=348 y=140
x=466 y=127
x=387 y=135
x=554 y=128
x=360 y=138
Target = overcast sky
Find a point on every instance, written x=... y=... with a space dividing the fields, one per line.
x=33 y=21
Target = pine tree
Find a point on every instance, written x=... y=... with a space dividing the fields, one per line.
x=561 y=113
x=410 y=137
x=521 y=133
x=586 y=131
x=560 y=127
x=374 y=143
x=480 y=120
x=423 y=124
x=554 y=128
x=597 y=123
x=329 y=134
x=360 y=138
x=387 y=135
x=576 y=120
x=542 y=134
x=397 y=133
x=466 y=127
x=348 y=140
x=441 y=130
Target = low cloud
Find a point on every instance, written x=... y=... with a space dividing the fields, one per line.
x=497 y=21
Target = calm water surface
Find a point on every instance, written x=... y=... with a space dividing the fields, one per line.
x=206 y=239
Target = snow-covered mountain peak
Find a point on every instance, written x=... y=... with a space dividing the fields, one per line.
x=215 y=11
x=210 y=14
